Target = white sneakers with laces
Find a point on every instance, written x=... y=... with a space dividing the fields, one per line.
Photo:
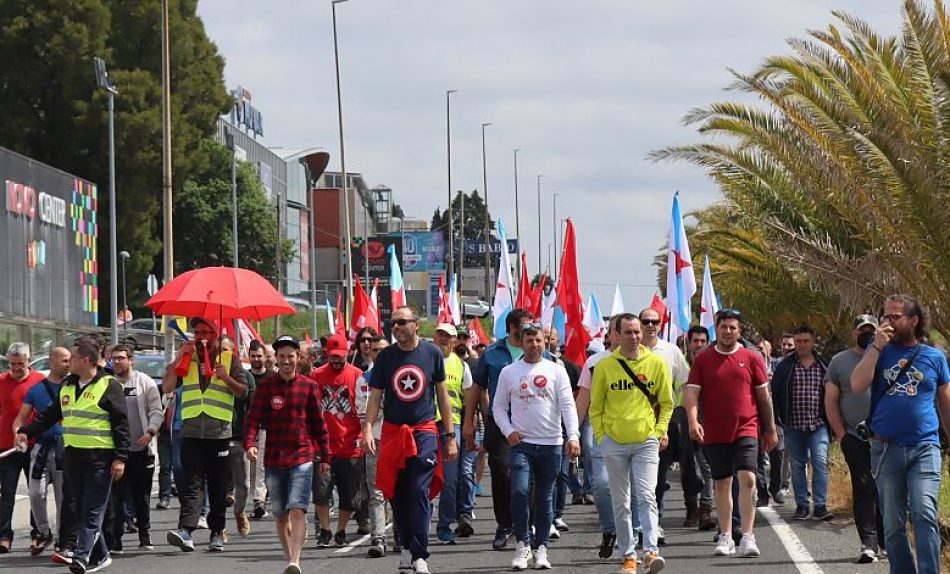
x=725 y=545
x=522 y=557
x=419 y=566
x=747 y=546
x=541 y=561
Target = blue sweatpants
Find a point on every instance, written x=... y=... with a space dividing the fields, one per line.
x=411 y=505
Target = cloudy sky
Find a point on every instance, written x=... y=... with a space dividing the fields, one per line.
x=586 y=89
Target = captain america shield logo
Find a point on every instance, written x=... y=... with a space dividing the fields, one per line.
x=409 y=382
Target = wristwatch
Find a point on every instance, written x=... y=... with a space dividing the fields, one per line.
x=449 y=434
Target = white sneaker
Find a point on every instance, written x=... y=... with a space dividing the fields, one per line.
x=202 y=523
x=725 y=546
x=405 y=559
x=561 y=525
x=522 y=557
x=541 y=558
x=748 y=547
x=555 y=534
x=420 y=566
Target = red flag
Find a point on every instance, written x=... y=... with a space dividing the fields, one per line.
x=476 y=333
x=445 y=306
x=363 y=313
x=569 y=298
x=659 y=306
x=537 y=297
x=340 y=328
x=524 y=299
x=307 y=340
x=374 y=301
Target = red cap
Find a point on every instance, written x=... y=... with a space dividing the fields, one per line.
x=337 y=346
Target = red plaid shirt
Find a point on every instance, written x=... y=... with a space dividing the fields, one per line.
x=290 y=413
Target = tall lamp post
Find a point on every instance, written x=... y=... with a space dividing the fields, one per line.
x=540 y=253
x=167 y=231
x=487 y=226
x=104 y=83
x=125 y=301
x=448 y=150
x=229 y=141
x=554 y=231
x=461 y=240
x=517 y=219
x=314 y=165
x=347 y=239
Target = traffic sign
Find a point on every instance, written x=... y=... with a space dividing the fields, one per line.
x=151 y=285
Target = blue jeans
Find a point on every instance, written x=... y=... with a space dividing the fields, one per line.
x=90 y=488
x=289 y=488
x=542 y=462
x=594 y=468
x=908 y=478
x=802 y=446
x=458 y=487
x=642 y=460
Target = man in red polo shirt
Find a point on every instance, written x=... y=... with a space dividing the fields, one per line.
x=337 y=382
x=287 y=406
x=13 y=387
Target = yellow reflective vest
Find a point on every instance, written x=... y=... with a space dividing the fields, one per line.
x=216 y=400
x=454 y=372
x=85 y=423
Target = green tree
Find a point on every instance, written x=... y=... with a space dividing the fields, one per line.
x=55 y=113
x=842 y=171
x=203 y=219
x=474 y=223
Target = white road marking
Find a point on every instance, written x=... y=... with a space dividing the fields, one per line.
x=800 y=556
x=349 y=547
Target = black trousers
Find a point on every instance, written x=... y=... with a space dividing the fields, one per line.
x=135 y=486
x=498 y=453
x=204 y=460
x=681 y=449
x=68 y=519
x=769 y=485
x=867 y=511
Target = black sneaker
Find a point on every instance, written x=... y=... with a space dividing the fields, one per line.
x=77 y=566
x=340 y=538
x=259 y=510
x=821 y=513
x=465 y=528
x=577 y=499
x=607 y=543
x=163 y=503
x=377 y=548
x=867 y=556
x=778 y=498
x=145 y=541
x=801 y=513
x=761 y=501
x=501 y=538
x=324 y=538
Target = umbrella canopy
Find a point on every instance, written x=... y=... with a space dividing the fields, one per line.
x=220 y=293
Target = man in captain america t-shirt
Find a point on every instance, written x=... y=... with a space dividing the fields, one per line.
x=411 y=375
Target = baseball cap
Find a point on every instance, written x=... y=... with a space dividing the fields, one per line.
x=447 y=328
x=195 y=321
x=285 y=341
x=462 y=331
x=337 y=346
x=862 y=320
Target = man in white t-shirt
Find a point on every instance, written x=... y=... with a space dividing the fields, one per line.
x=532 y=400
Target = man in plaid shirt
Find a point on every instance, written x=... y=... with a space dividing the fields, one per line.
x=287 y=406
x=798 y=392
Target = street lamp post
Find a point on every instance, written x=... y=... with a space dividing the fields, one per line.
x=104 y=83
x=125 y=301
x=450 y=268
x=487 y=223
x=517 y=220
x=167 y=231
x=554 y=231
x=229 y=141
x=347 y=239
x=461 y=261
x=540 y=253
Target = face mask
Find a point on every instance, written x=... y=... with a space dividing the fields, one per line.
x=864 y=340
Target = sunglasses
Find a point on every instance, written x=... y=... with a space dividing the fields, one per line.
x=401 y=322
x=365 y=340
x=650 y=321
x=204 y=332
x=728 y=314
x=530 y=327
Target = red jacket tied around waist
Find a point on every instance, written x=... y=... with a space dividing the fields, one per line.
x=396 y=444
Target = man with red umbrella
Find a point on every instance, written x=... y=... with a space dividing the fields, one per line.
x=210 y=381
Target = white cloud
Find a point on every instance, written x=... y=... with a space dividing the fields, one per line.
x=586 y=89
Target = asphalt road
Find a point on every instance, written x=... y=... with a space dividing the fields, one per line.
x=832 y=546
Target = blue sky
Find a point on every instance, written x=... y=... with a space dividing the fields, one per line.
x=585 y=89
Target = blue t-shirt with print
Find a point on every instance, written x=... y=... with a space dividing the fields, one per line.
x=907 y=413
x=39 y=398
x=407 y=379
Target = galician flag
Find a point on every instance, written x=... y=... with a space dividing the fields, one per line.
x=617 y=306
x=680 y=281
x=454 y=310
x=710 y=303
x=503 y=302
x=594 y=319
x=330 y=320
x=396 y=289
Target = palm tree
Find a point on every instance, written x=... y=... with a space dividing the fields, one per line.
x=842 y=171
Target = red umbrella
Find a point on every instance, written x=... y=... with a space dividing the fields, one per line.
x=222 y=293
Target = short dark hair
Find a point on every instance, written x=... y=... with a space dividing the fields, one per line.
x=912 y=308
x=697 y=330
x=367 y=331
x=515 y=317
x=255 y=346
x=123 y=347
x=87 y=349
x=621 y=317
x=787 y=335
x=92 y=339
x=803 y=329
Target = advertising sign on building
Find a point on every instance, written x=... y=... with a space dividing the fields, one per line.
x=373 y=258
x=423 y=251
x=48 y=256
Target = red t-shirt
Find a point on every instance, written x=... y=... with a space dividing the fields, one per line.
x=338 y=402
x=727 y=393
x=12 y=392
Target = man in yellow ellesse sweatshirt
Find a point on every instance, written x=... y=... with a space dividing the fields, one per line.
x=631 y=433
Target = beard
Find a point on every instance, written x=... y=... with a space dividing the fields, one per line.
x=903 y=337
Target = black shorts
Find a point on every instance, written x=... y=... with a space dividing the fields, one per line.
x=347 y=474
x=725 y=459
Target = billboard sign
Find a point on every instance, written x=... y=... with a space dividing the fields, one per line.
x=49 y=253
x=423 y=251
x=374 y=252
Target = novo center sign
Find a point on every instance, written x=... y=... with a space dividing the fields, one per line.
x=49 y=254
